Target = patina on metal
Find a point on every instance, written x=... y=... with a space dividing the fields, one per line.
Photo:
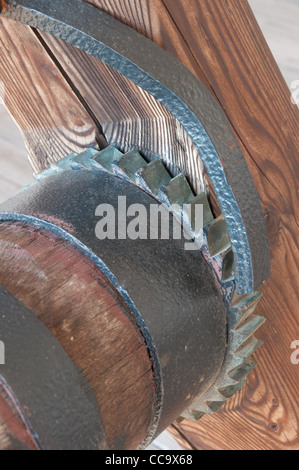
x=187 y=99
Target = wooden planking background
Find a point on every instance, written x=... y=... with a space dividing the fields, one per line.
x=265 y=414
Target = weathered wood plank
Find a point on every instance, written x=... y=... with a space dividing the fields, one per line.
x=53 y=121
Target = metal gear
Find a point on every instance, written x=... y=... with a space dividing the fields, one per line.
x=156 y=72
x=214 y=243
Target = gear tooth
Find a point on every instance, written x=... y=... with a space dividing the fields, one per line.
x=248 y=348
x=191 y=415
x=198 y=415
x=215 y=406
x=107 y=157
x=218 y=237
x=155 y=176
x=45 y=174
x=179 y=420
x=200 y=407
x=228 y=271
x=178 y=191
x=65 y=163
x=248 y=328
x=243 y=370
x=247 y=301
x=236 y=361
x=207 y=408
x=229 y=381
x=198 y=221
x=247 y=304
x=131 y=163
x=185 y=415
x=217 y=396
x=84 y=159
x=229 y=392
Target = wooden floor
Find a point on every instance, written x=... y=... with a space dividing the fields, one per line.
x=265 y=415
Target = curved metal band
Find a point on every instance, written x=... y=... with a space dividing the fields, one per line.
x=155 y=71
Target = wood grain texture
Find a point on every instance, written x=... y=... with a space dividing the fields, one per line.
x=52 y=120
x=225 y=42
x=73 y=298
